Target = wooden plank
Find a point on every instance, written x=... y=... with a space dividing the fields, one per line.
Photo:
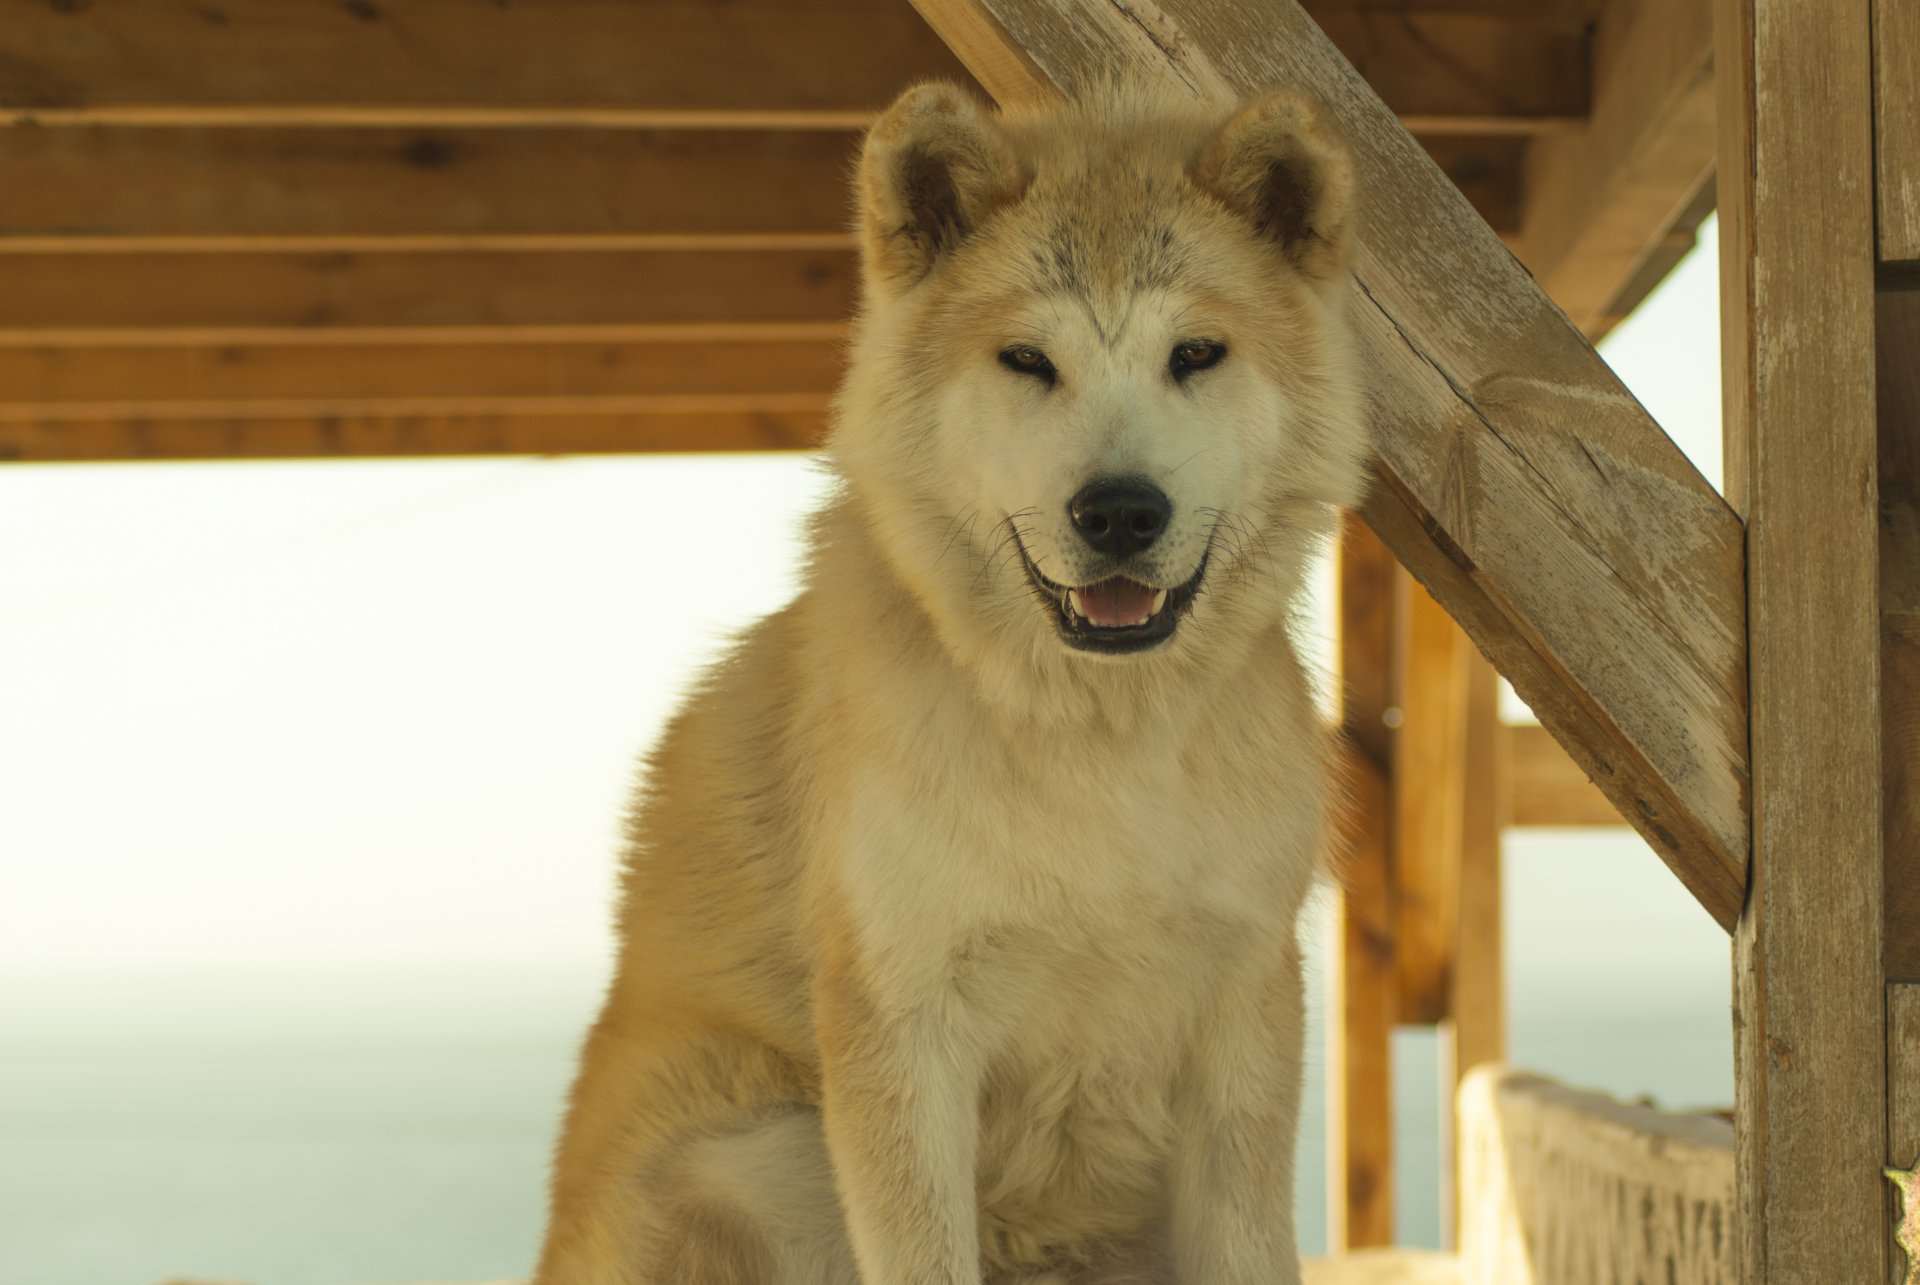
x=425 y=433
x=1897 y=338
x=675 y=63
x=1518 y=480
x=1602 y=199
x=1903 y=1102
x=1360 y=1053
x=1810 y=1039
x=750 y=63
x=124 y=188
x=231 y=185
x=266 y=291
x=1475 y=1033
x=1429 y=806
x=49 y=381
x=1545 y=787
x=1896 y=88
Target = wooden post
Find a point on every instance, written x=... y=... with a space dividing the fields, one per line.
x=1797 y=281
x=1359 y=1063
x=1429 y=793
x=1475 y=1032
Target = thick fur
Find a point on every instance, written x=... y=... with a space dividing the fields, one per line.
x=950 y=953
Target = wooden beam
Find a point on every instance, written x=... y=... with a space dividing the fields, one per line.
x=1360 y=1036
x=1896 y=90
x=1898 y=342
x=228 y=188
x=747 y=64
x=669 y=63
x=273 y=292
x=1545 y=787
x=52 y=381
x=1517 y=479
x=1475 y=1032
x=1603 y=199
x=1797 y=346
x=687 y=428
x=1429 y=805
x=122 y=188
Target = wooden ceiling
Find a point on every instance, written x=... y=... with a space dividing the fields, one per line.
x=325 y=227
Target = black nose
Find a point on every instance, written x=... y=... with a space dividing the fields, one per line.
x=1120 y=516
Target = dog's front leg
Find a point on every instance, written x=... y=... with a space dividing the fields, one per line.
x=1239 y=1107
x=900 y=1106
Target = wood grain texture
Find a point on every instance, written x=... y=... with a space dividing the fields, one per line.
x=1602 y=199
x=130 y=188
x=1359 y=1050
x=424 y=432
x=443 y=61
x=1896 y=88
x=124 y=183
x=1429 y=790
x=54 y=380
x=273 y=291
x=749 y=63
x=1810 y=1043
x=1545 y=787
x=1476 y=1031
x=1517 y=479
x=1903 y=1101
x=1897 y=335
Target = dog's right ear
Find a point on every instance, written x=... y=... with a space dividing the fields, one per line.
x=934 y=165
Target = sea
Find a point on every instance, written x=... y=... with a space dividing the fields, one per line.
x=353 y=1128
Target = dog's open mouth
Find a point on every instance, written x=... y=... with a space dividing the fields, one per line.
x=1118 y=614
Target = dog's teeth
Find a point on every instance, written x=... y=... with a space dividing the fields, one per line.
x=1159 y=601
x=1074 y=604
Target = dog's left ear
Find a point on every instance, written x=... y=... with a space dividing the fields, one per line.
x=933 y=166
x=1277 y=165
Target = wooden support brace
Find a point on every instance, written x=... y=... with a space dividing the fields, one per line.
x=1518 y=480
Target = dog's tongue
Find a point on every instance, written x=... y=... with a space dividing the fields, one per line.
x=1115 y=603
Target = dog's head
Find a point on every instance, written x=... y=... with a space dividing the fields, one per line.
x=1101 y=398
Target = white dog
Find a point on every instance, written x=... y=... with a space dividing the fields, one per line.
x=958 y=936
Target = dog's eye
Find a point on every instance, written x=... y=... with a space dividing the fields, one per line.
x=1027 y=360
x=1195 y=354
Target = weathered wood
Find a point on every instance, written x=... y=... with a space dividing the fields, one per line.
x=689 y=428
x=1518 y=479
x=1896 y=88
x=1564 y=1187
x=1545 y=787
x=1810 y=1041
x=50 y=380
x=1429 y=790
x=229 y=185
x=127 y=188
x=1475 y=1033
x=753 y=63
x=1903 y=1100
x=1359 y=1049
x=1898 y=343
x=131 y=292
x=1602 y=199
x=747 y=64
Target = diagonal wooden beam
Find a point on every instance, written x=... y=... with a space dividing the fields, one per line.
x=1518 y=480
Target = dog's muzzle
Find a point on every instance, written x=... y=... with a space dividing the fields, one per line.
x=1118 y=614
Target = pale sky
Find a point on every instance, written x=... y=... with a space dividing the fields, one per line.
x=382 y=716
